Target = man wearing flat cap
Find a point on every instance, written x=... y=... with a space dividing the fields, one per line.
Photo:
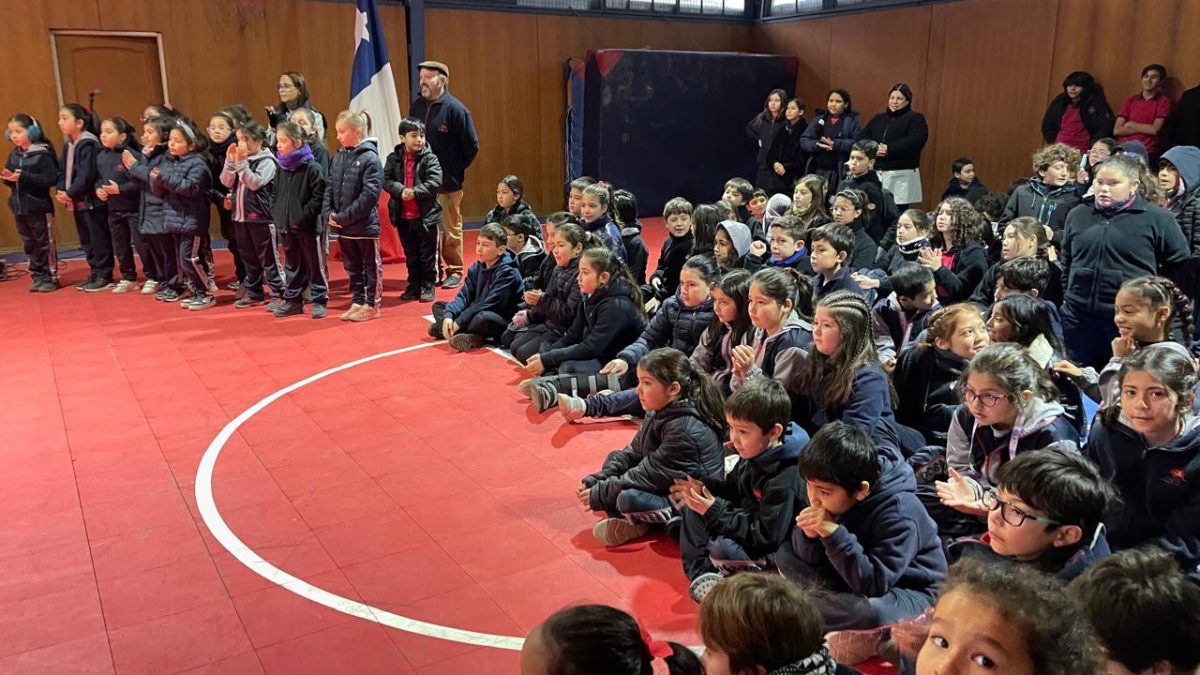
x=451 y=135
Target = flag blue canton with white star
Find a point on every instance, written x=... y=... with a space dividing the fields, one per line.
x=372 y=84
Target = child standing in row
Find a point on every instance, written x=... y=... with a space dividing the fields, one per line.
x=162 y=247
x=117 y=190
x=351 y=208
x=183 y=182
x=413 y=176
x=296 y=212
x=30 y=171
x=249 y=173
x=76 y=190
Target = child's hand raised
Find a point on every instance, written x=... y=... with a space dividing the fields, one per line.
x=1067 y=368
x=128 y=159
x=816 y=523
x=865 y=282
x=697 y=497
x=616 y=367
x=930 y=257
x=758 y=248
x=1123 y=346
x=231 y=153
x=743 y=359
x=958 y=494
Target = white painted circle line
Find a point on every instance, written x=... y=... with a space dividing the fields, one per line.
x=220 y=530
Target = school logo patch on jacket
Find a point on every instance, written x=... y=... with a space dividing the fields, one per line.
x=758 y=494
x=1174 y=477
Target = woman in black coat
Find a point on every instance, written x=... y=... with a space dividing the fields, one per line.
x=785 y=157
x=762 y=129
x=828 y=139
x=901 y=135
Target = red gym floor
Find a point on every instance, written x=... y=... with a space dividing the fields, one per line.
x=419 y=484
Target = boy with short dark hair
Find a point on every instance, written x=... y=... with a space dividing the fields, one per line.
x=787 y=249
x=1145 y=612
x=522 y=230
x=1051 y=192
x=676 y=249
x=1047 y=511
x=880 y=212
x=965 y=183
x=575 y=194
x=864 y=536
x=832 y=247
x=901 y=316
x=412 y=177
x=1142 y=116
x=745 y=517
x=738 y=191
x=487 y=300
x=1030 y=276
x=758 y=211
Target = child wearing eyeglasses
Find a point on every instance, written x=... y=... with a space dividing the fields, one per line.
x=1010 y=406
x=1046 y=511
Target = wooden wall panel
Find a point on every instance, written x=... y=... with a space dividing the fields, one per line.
x=516 y=93
x=991 y=114
x=809 y=41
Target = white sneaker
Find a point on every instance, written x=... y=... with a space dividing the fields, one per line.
x=124 y=286
x=150 y=287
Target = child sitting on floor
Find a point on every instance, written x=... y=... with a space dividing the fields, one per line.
x=1145 y=612
x=742 y=519
x=680 y=437
x=1046 y=511
x=595 y=639
x=758 y=623
x=864 y=534
x=487 y=300
x=1003 y=619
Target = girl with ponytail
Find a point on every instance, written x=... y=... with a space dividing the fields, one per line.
x=682 y=436
x=351 y=210
x=596 y=212
x=601 y=640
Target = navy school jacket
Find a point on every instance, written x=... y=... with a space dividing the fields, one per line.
x=39 y=172
x=110 y=168
x=606 y=320
x=494 y=289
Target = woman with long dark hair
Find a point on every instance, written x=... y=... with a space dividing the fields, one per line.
x=762 y=129
x=1080 y=115
x=293 y=94
x=901 y=135
x=828 y=139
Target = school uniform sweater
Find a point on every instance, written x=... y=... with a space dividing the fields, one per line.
x=39 y=172
x=110 y=168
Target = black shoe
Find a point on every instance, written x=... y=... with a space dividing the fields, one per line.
x=97 y=286
x=411 y=292
x=288 y=309
x=79 y=286
x=47 y=286
x=452 y=281
x=427 y=293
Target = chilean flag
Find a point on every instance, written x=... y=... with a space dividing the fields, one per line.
x=373 y=88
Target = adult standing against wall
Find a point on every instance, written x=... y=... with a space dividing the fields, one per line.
x=293 y=94
x=451 y=134
x=901 y=135
x=762 y=129
x=828 y=139
x=1142 y=116
x=1080 y=115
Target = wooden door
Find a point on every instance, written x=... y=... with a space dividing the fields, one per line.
x=127 y=72
x=124 y=69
